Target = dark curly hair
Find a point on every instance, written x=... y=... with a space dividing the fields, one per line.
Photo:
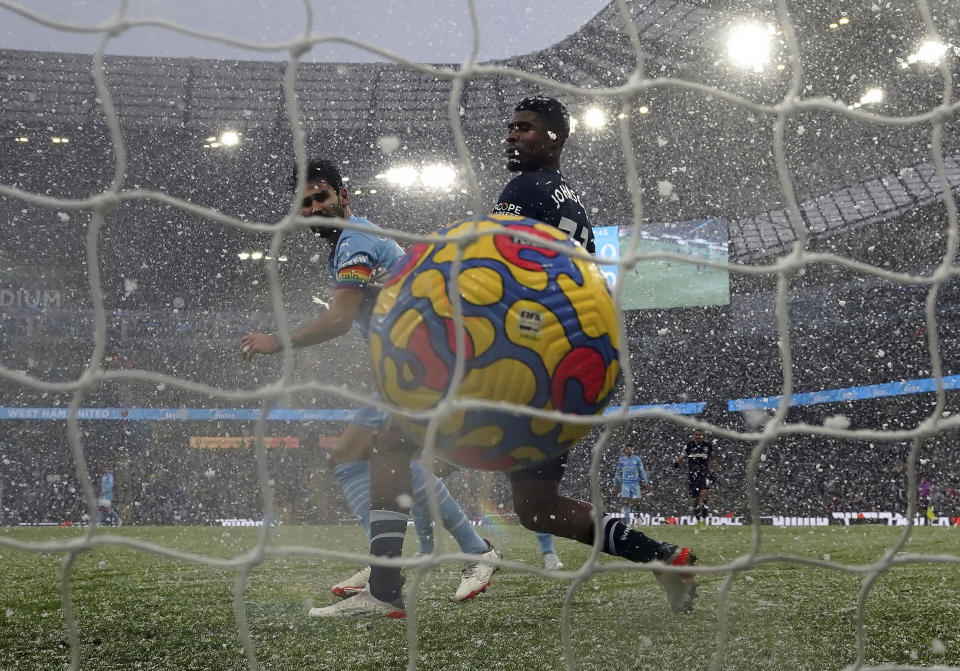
x=550 y=110
x=320 y=169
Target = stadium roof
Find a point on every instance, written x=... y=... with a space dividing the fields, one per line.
x=698 y=154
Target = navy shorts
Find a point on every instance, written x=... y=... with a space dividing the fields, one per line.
x=551 y=471
x=699 y=481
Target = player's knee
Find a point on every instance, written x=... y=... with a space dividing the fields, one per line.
x=534 y=508
x=532 y=518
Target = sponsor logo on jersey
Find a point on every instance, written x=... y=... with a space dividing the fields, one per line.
x=360 y=259
x=508 y=208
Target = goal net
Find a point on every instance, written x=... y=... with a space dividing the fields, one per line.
x=772 y=189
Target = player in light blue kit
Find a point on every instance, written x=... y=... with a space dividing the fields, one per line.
x=359 y=260
x=629 y=475
x=106 y=514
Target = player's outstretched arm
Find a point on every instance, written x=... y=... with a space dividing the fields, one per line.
x=331 y=324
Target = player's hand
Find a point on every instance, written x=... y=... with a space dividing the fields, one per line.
x=259 y=343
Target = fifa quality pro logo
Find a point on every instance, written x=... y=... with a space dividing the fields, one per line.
x=530 y=323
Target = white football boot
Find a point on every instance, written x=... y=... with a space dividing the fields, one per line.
x=352 y=585
x=475 y=576
x=680 y=588
x=552 y=562
x=361 y=604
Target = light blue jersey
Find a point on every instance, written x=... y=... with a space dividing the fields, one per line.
x=106 y=486
x=630 y=470
x=361 y=260
x=629 y=473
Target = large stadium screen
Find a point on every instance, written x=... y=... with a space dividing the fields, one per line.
x=668 y=283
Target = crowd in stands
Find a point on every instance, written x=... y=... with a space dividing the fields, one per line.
x=161 y=479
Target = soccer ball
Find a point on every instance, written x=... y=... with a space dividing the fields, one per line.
x=539 y=331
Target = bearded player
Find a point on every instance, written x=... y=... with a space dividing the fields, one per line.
x=535 y=139
x=358 y=259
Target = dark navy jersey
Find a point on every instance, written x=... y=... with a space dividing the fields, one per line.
x=698 y=456
x=545 y=195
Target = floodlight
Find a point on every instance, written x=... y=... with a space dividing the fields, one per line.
x=402 y=175
x=256 y=256
x=871 y=96
x=438 y=176
x=644 y=109
x=595 y=117
x=229 y=138
x=243 y=255
x=749 y=45
x=843 y=20
x=929 y=51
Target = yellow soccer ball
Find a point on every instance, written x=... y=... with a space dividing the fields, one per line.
x=540 y=331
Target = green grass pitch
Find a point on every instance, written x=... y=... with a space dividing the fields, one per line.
x=137 y=610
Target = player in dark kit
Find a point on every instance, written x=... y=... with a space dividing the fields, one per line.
x=535 y=138
x=539 y=127
x=701 y=463
x=537 y=132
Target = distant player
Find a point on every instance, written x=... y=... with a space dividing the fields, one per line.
x=629 y=475
x=106 y=514
x=535 y=140
x=358 y=260
x=702 y=465
x=925 y=498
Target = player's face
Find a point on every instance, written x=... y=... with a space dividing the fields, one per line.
x=628 y=451
x=529 y=145
x=322 y=200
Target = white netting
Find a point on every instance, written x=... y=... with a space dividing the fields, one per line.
x=785 y=268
